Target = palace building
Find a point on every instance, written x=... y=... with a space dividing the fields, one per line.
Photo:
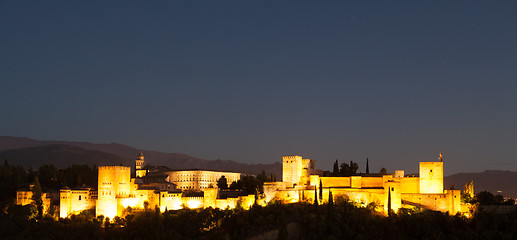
x=152 y=187
x=199 y=179
x=169 y=189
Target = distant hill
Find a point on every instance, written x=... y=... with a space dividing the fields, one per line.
x=494 y=181
x=60 y=156
x=34 y=153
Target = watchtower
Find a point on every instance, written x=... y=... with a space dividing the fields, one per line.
x=431 y=177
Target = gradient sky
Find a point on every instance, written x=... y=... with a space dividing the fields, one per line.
x=252 y=81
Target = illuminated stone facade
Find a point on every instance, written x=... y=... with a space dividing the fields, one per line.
x=200 y=179
x=113 y=186
x=73 y=201
x=395 y=190
x=162 y=188
x=431 y=177
x=172 y=190
x=24 y=197
x=296 y=170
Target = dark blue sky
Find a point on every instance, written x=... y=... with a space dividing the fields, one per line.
x=254 y=81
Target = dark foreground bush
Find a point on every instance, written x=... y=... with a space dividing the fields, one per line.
x=340 y=221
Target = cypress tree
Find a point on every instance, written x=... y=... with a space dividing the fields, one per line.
x=315 y=195
x=331 y=199
x=367 y=167
x=321 y=192
x=158 y=224
x=335 y=171
x=36 y=196
x=330 y=211
x=389 y=201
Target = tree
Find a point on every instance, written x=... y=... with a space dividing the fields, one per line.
x=498 y=199
x=485 y=198
x=331 y=199
x=348 y=170
x=47 y=175
x=250 y=185
x=235 y=185
x=383 y=171
x=335 y=171
x=321 y=191
x=367 y=167
x=390 y=212
x=22 y=213
x=466 y=198
x=509 y=202
x=36 y=196
x=222 y=183
x=262 y=177
x=11 y=178
x=146 y=205
x=353 y=167
x=344 y=171
x=315 y=195
x=158 y=224
x=330 y=211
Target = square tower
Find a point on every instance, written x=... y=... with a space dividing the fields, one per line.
x=307 y=170
x=114 y=184
x=292 y=169
x=297 y=170
x=431 y=177
x=392 y=196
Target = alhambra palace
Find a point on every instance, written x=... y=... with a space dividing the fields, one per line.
x=166 y=189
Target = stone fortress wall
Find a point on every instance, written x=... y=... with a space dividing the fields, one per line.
x=395 y=190
x=301 y=183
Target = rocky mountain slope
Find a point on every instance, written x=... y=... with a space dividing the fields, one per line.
x=34 y=153
x=494 y=181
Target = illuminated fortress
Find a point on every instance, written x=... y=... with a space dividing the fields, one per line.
x=159 y=187
x=395 y=190
x=168 y=189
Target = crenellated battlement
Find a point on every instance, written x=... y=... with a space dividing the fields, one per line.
x=114 y=167
x=291 y=158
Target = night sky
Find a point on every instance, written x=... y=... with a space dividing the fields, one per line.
x=251 y=82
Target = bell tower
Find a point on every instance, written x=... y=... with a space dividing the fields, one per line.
x=139 y=166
